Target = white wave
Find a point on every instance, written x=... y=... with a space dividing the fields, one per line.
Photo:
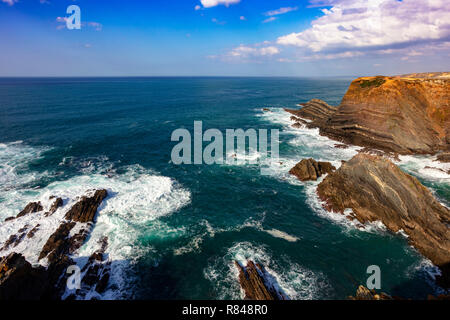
x=14 y=160
x=135 y=199
x=426 y=167
x=295 y=281
x=281 y=234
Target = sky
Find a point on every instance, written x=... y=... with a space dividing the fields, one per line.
x=301 y=38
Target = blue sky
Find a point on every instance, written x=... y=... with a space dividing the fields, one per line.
x=225 y=37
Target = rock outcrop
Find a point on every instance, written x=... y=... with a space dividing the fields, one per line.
x=311 y=170
x=253 y=280
x=377 y=190
x=316 y=110
x=444 y=157
x=362 y=293
x=408 y=114
x=21 y=281
x=85 y=209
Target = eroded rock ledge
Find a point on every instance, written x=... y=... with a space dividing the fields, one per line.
x=408 y=114
x=253 y=279
x=377 y=190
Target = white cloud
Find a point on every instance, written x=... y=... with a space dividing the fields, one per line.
x=269 y=20
x=373 y=24
x=280 y=11
x=251 y=53
x=10 y=2
x=213 y=3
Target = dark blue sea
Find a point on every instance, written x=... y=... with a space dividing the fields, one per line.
x=174 y=231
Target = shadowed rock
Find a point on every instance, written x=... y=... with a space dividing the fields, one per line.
x=253 y=280
x=377 y=190
x=19 y=280
x=310 y=169
x=97 y=270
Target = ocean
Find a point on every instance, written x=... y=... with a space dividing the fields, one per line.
x=175 y=230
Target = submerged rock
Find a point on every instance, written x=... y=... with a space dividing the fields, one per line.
x=310 y=169
x=377 y=190
x=253 y=280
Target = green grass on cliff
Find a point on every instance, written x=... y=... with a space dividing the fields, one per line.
x=378 y=81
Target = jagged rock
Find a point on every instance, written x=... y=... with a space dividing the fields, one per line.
x=403 y=114
x=31 y=233
x=362 y=293
x=19 y=280
x=310 y=169
x=50 y=283
x=58 y=243
x=56 y=204
x=316 y=110
x=85 y=209
x=32 y=207
x=97 y=270
x=253 y=282
x=377 y=190
x=444 y=157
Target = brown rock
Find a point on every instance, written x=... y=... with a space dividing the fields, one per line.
x=58 y=243
x=444 y=157
x=253 y=282
x=316 y=110
x=362 y=293
x=33 y=231
x=377 y=190
x=32 y=207
x=56 y=204
x=310 y=169
x=85 y=209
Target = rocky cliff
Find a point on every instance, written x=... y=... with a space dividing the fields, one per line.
x=408 y=114
x=377 y=190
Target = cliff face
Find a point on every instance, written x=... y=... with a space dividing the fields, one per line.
x=376 y=189
x=407 y=114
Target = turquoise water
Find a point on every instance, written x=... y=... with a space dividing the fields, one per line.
x=175 y=231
